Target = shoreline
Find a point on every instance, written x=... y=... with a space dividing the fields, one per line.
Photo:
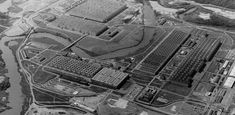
x=24 y=84
x=4 y=93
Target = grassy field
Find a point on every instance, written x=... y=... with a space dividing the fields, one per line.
x=133 y=44
x=200 y=91
x=48 y=97
x=214 y=67
x=171 y=98
x=130 y=109
x=40 y=96
x=46 y=38
x=177 y=89
x=143 y=38
x=60 y=33
x=42 y=76
x=100 y=47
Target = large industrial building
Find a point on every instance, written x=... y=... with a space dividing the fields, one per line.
x=79 y=25
x=66 y=5
x=195 y=61
x=110 y=78
x=74 y=66
x=163 y=53
x=78 y=71
x=98 y=10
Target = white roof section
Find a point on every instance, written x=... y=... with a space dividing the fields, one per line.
x=232 y=73
x=229 y=82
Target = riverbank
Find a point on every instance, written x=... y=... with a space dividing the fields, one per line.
x=23 y=82
x=198 y=14
x=19 y=97
x=4 y=85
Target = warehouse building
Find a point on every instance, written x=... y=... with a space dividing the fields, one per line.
x=229 y=82
x=98 y=10
x=110 y=78
x=78 y=67
x=79 y=25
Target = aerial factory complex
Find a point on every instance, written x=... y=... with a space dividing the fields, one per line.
x=121 y=57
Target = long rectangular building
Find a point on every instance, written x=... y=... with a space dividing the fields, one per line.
x=79 y=25
x=195 y=61
x=98 y=10
x=71 y=65
x=163 y=52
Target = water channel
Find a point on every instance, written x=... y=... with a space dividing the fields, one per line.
x=16 y=97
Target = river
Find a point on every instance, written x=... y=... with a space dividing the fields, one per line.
x=16 y=97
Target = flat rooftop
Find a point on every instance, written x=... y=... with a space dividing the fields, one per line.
x=98 y=10
x=79 y=25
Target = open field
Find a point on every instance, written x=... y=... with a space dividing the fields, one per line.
x=133 y=44
x=125 y=40
x=163 y=99
x=57 y=42
x=106 y=108
x=201 y=91
x=42 y=76
x=144 y=39
x=70 y=37
x=177 y=89
x=52 y=98
x=40 y=96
